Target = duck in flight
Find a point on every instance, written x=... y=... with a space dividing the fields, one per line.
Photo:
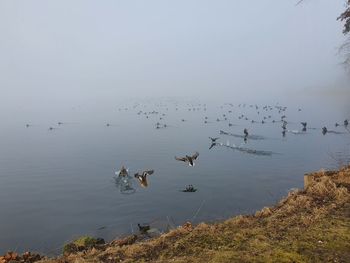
x=188 y=159
x=213 y=140
x=143 y=177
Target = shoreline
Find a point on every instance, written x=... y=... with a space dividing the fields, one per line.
x=309 y=225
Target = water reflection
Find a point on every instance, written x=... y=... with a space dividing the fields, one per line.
x=251 y=137
x=247 y=150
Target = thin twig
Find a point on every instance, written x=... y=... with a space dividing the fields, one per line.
x=195 y=215
x=299 y=2
x=132 y=229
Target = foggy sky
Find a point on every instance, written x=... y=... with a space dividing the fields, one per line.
x=71 y=51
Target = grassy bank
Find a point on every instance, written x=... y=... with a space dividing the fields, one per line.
x=311 y=225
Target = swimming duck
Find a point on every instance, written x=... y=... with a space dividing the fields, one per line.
x=123 y=172
x=245 y=132
x=189 y=189
x=143 y=229
x=188 y=159
x=284 y=125
x=324 y=130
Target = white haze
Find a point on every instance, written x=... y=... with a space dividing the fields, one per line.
x=72 y=52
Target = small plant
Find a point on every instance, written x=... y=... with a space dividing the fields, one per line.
x=81 y=244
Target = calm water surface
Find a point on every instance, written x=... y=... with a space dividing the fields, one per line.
x=57 y=185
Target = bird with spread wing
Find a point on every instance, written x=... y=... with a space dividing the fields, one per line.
x=142 y=177
x=188 y=159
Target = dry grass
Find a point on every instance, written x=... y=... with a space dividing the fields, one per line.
x=311 y=225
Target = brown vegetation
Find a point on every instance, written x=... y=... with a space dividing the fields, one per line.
x=311 y=225
x=13 y=257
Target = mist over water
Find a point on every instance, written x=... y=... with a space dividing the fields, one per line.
x=59 y=184
x=87 y=64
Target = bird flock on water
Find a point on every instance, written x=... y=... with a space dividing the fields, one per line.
x=263 y=114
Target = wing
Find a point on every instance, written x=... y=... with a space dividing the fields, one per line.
x=195 y=156
x=148 y=172
x=184 y=159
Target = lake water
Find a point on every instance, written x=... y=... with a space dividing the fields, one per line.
x=59 y=184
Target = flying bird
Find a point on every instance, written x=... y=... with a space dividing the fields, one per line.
x=143 y=177
x=213 y=140
x=188 y=159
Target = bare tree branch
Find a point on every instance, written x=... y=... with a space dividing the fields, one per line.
x=344 y=17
